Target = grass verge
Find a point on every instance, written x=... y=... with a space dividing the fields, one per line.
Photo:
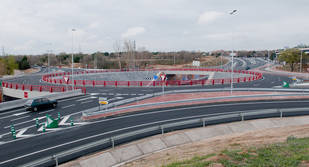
x=292 y=152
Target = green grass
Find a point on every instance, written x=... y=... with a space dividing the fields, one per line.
x=291 y=153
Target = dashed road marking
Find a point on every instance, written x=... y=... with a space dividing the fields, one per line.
x=86 y=102
x=83 y=99
x=20 y=118
x=46 y=111
x=18 y=114
x=68 y=106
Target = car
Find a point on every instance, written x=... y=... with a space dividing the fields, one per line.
x=40 y=103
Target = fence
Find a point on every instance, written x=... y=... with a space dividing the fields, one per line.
x=157 y=129
x=57 y=79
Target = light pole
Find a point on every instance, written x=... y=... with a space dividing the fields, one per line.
x=232 y=54
x=72 y=59
x=301 y=60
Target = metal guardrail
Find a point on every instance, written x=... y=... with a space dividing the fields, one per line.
x=157 y=129
x=110 y=107
x=19 y=103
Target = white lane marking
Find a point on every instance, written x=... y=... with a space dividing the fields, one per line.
x=74 y=98
x=18 y=114
x=39 y=118
x=46 y=111
x=92 y=137
x=83 y=99
x=21 y=133
x=20 y=118
x=86 y=102
x=18 y=124
x=89 y=137
x=94 y=94
x=49 y=129
x=68 y=106
x=65 y=118
x=115 y=98
x=7 y=117
x=12 y=111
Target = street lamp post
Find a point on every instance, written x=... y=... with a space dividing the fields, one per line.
x=301 y=61
x=72 y=59
x=232 y=54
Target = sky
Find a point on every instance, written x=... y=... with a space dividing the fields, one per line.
x=41 y=26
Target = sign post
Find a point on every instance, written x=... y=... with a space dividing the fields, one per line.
x=163 y=78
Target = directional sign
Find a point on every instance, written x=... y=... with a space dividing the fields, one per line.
x=103 y=100
x=155 y=77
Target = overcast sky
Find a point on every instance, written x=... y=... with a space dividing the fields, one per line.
x=35 y=26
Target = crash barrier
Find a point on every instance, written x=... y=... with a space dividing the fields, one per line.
x=20 y=103
x=58 y=78
x=111 y=110
x=154 y=129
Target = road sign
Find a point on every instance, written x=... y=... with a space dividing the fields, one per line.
x=103 y=100
x=163 y=76
x=66 y=79
x=26 y=95
x=155 y=77
x=196 y=63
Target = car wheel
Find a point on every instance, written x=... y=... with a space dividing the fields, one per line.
x=54 y=105
x=35 y=109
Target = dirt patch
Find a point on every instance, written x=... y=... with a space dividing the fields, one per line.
x=217 y=144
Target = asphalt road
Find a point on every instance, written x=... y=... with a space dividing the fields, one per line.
x=32 y=143
x=46 y=144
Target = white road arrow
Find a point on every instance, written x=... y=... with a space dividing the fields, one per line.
x=21 y=133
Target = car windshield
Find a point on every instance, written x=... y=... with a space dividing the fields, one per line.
x=29 y=102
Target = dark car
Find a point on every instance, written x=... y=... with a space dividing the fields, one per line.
x=40 y=103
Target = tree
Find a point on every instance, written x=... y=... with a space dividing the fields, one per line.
x=24 y=63
x=11 y=65
x=290 y=56
x=3 y=68
x=117 y=49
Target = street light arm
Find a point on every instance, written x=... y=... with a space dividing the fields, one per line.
x=233 y=12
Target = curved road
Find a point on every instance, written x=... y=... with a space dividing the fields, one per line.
x=46 y=144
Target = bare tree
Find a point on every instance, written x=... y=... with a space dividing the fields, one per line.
x=117 y=49
x=129 y=48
